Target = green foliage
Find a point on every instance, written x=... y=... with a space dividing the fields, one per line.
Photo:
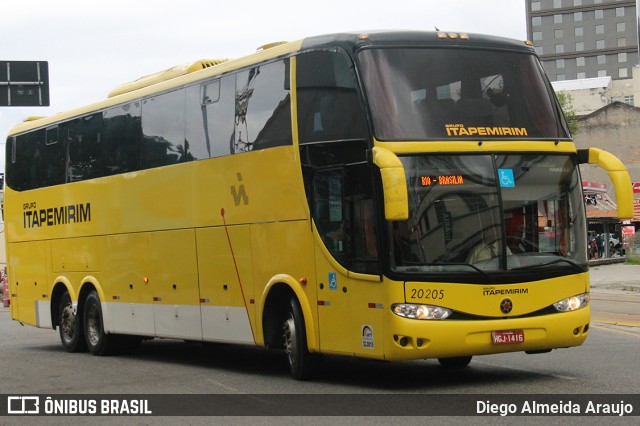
x=632 y=259
x=569 y=113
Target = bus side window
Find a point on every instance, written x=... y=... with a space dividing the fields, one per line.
x=263 y=108
x=163 y=130
x=328 y=102
x=211 y=117
x=83 y=138
x=53 y=158
x=23 y=170
x=121 y=135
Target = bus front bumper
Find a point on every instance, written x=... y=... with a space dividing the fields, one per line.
x=422 y=339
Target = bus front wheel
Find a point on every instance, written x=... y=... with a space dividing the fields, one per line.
x=303 y=364
x=70 y=326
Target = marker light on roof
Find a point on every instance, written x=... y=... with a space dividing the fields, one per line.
x=453 y=36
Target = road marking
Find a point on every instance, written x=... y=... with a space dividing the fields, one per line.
x=632 y=333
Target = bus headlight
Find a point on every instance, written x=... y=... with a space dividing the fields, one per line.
x=422 y=312
x=572 y=303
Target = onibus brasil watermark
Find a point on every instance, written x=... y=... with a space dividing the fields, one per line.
x=34 y=405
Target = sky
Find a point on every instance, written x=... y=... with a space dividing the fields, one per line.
x=93 y=46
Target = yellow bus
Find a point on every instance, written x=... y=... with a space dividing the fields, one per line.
x=385 y=195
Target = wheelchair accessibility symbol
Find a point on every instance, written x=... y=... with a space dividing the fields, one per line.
x=506 y=178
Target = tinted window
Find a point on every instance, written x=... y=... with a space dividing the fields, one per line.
x=345 y=215
x=263 y=113
x=84 y=147
x=211 y=117
x=24 y=169
x=418 y=94
x=333 y=144
x=53 y=153
x=328 y=102
x=195 y=140
x=121 y=138
x=163 y=130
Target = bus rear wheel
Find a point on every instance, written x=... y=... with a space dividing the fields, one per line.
x=98 y=342
x=303 y=364
x=70 y=326
x=455 y=362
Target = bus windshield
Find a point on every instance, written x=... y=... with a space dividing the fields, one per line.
x=491 y=213
x=440 y=93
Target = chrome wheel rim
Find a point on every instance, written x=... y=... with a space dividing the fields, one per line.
x=290 y=340
x=68 y=323
x=93 y=325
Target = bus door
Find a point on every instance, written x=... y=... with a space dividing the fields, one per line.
x=334 y=140
x=350 y=296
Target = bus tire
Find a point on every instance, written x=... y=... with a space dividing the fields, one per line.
x=455 y=362
x=70 y=326
x=98 y=342
x=303 y=364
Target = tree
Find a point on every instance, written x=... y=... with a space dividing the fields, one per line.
x=569 y=113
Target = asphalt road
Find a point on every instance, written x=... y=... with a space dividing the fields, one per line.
x=32 y=361
x=615 y=294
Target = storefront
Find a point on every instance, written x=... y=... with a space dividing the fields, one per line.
x=614 y=236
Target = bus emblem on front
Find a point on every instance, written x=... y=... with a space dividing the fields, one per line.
x=506 y=306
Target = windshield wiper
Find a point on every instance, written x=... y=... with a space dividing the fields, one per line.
x=573 y=264
x=474 y=267
x=442 y=267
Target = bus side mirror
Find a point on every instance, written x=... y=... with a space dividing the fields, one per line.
x=394 y=184
x=617 y=173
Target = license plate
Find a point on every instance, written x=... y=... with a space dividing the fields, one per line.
x=507 y=337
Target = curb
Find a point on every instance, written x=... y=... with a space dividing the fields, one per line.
x=607 y=261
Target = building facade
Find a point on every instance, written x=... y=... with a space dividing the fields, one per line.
x=614 y=127
x=590 y=94
x=582 y=39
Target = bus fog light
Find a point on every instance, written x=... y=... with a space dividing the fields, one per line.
x=572 y=303
x=422 y=312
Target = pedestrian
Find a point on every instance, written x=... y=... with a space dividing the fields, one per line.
x=591 y=244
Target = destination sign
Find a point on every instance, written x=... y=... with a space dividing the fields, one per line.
x=441 y=180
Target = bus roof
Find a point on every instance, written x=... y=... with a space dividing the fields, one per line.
x=352 y=41
x=356 y=40
x=173 y=72
x=174 y=77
